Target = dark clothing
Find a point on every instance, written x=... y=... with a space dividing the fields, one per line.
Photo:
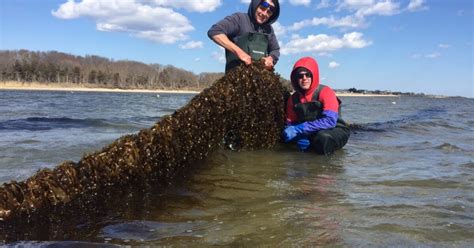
x=329 y=140
x=240 y=24
x=254 y=44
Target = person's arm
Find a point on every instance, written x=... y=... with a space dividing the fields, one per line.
x=273 y=51
x=225 y=28
x=224 y=42
x=273 y=47
x=330 y=113
x=327 y=122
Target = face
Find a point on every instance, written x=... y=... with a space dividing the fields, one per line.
x=304 y=80
x=264 y=11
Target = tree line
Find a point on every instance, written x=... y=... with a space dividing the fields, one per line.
x=382 y=92
x=54 y=67
x=59 y=68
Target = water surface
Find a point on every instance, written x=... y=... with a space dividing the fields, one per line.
x=404 y=179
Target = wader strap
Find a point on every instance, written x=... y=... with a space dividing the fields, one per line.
x=315 y=98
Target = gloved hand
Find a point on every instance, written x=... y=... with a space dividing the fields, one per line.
x=303 y=144
x=292 y=131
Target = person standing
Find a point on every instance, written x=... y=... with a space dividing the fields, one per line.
x=249 y=36
x=313 y=112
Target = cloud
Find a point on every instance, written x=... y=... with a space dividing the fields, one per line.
x=193 y=6
x=323 y=4
x=345 y=22
x=153 y=20
x=360 y=10
x=324 y=43
x=354 y=4
x=279 y=29
x=300 y=2
x=427 y=56
x=416 y=5
x=432 y=55
x=325 y=54
x=192 y=45
x=383 y=8
x=219 y=55
x=333 y=64
x=197 y=59
x=444 y=46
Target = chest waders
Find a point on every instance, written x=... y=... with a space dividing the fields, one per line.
x=254 y=44
x=313 y=110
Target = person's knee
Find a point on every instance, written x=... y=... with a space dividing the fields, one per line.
x=324 y=143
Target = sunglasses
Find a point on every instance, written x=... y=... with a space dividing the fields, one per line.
x=302 y=75
x=266 y=6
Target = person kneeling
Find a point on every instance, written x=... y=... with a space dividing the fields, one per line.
x=313 y=113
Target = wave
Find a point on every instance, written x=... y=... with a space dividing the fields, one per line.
x=151 y=230
x=427 y=116
x=421 y=183
x=448 y=147
x=47 y=123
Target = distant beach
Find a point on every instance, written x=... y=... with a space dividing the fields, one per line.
x=11 y=85
x=70 y=87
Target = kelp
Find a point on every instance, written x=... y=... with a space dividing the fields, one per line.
x=242 y=110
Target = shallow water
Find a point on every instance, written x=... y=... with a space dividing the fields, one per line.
x=405 y=178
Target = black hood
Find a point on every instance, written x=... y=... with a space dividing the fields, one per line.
x=253 y=8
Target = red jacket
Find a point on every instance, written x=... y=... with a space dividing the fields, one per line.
x=327 y=97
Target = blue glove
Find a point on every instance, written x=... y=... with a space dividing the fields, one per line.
x=303 y=144
x=291 y=132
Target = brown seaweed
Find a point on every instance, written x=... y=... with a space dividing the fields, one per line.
x=242 y=110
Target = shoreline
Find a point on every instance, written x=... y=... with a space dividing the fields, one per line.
x=73 y=88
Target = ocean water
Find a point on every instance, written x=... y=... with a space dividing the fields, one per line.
x=405 y=178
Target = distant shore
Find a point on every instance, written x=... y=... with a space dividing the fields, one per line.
x=90 y=88
x=86 y=88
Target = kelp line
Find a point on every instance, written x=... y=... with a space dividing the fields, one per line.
x=245 y=108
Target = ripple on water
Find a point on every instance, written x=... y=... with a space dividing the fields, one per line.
x=152 y=231
x=448 y=147
x=59 y=244
x=27 y=141
x=422 y=183
x=469 y=165
x=434 y=234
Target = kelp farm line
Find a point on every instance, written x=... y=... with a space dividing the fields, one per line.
x=245 y=108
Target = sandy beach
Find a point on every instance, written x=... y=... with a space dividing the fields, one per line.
x=71 y=87
x=11 y=85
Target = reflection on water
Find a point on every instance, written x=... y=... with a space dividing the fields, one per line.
x=248 y=198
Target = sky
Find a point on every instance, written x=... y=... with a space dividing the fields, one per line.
x=420 y=46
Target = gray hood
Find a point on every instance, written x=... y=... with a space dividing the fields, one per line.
x=253 y=7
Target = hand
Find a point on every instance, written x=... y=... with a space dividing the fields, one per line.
x=244 y=57
x=268 y=61
x=291 y=132
x=303 y=144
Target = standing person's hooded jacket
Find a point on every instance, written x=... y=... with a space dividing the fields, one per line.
x=240 y=24
x=327 y=97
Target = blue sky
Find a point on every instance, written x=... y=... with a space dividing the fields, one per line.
x=422 y=46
